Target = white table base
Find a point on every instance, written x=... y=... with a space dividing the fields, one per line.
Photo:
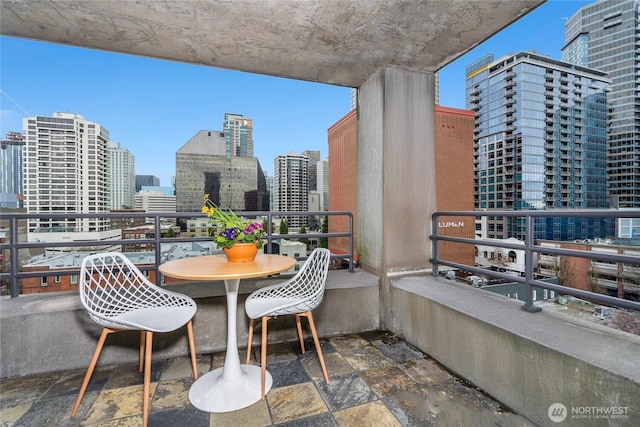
x=211 y=393
x=233 y=386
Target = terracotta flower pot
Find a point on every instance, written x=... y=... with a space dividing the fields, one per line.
x=241 y=252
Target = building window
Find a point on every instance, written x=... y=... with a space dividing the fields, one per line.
x=43 y=281
x=74 y=279
x=56 y=279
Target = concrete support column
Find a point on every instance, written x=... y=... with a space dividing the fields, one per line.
x=396 y=173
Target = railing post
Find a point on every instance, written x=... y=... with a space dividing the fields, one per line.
x=351 y=243
x=158 y=249
x=528 y=266
x=269 y=232
x=434 y=244
x=15 y=286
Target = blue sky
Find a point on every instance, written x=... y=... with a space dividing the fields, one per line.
x=153 y=107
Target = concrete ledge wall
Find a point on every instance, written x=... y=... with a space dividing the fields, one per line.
x=528 y=361
x=52 y=332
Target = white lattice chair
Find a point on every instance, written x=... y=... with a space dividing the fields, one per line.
x=297 y=296
x=120 y=298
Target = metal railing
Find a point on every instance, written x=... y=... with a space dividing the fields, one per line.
x=532 y=247
x=13 y=245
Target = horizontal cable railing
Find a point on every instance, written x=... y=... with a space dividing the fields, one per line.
x=12 y=244
x=531 y=247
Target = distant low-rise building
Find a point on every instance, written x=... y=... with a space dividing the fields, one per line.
x=616 y=279
x=293 y=249
x=156 y=201
x=72 y=261
x=123 y=222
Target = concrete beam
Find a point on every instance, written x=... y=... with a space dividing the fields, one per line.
x=340 y=42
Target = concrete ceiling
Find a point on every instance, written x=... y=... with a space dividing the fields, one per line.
x=338 y=42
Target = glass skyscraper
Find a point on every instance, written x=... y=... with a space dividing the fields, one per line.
x=540 y=142
x=238 y=135
x=605 y=36
x=11 y=173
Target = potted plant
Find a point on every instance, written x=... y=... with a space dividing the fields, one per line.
x=232 y=233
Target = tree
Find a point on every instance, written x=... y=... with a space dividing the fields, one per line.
x=284 y=228
x=170 y=233
x=304 y=240
x=324 y=241
x=314 y=224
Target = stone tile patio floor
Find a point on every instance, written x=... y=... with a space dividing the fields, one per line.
x=376 y=379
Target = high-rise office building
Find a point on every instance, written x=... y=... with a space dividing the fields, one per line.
x=269 y=181
x=540 y=142
x=238 y=135
x=322 y=183
x=122 y=177
x=146 y=181
x=11 y=178
x=66 y=171
x=291 y=186
x=312 y=168
x=202 y=167
x=605 y=35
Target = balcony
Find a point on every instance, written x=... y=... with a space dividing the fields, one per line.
x=528 y=361
x=372 y=376
x=488 y=340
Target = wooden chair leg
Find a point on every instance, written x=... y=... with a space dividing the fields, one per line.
x=300 y=337
x=147 y=377
x=192 y=349
x=250 y=343
x=263 y=354
x=92 y=365
x=141 y=358
x=309 y=317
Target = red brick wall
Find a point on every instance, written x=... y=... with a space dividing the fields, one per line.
x=32 y=285
x=342 y=179
x=454 y=179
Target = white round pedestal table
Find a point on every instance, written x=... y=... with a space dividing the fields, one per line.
x=234 y=386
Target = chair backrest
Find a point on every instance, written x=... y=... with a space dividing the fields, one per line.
x=110 y=285
x=309 y=282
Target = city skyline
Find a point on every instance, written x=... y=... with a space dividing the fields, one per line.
x=152 y=107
